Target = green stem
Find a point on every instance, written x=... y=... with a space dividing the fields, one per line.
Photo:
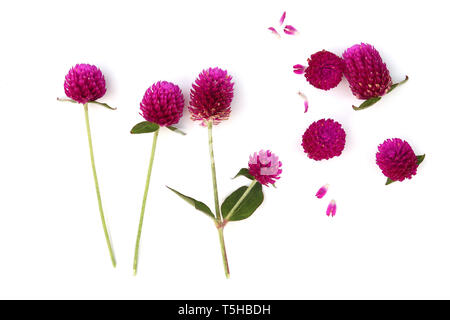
x=213 y=171
x=224 y=252
x=216 y=202
x=144 y=201
x=236 y=205
x=97 y=188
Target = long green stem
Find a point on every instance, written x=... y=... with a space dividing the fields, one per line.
x=97 y=188
x=144 y=201
x=216 y=202
x=236 y=205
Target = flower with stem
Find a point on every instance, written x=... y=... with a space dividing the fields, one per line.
x=162 y=106
x=85 y=84
x=210 y=100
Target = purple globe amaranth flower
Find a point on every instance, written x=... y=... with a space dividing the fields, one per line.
x=366 y=72
x=397 y=159
x=211 y=96
x=325 y=70
x=84 y=83
x=264 y=167
x=324 y=139
x=163 y=104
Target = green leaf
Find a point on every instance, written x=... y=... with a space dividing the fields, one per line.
x=248 y=205
x=368 y=103
x=419 y=161
x=398 y=84
x=196 y=204
x=103 y=105
x=144 y=127
x=175 y=129
x=66 y=100
x=244 y=172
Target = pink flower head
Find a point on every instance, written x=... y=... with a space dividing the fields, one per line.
x=322 y=192
x=325 y=70
x=366 y=72
x=163 y=104
x=84 y=83
x=211 y=96
x=331 y=210
x=397 y=159
x=265 y=167
x=324 y=139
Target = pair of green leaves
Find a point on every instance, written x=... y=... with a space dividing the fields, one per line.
x=370 y=102
x=419 y=161
x=147 y=127
x=95 y=102
x=247 y=207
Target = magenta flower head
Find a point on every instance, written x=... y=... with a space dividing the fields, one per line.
x=397 y=159
x=85 y=83
x=325 y=70
x=324 y=139
x=264 y=167
x=366 y=72
x=211 y=96
x=163 y=104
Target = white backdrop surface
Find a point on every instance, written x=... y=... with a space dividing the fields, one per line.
x=385 y=242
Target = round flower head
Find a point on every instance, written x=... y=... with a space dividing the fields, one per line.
x=265 y=167
x=397 y=159
x=325 y=70
x=324 y=139
x=163 y=104
x=211 y=96
x=366 y=72
x=85 y=83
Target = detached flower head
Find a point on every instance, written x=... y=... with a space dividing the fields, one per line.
x=84 y=83
x=211 y=96
x=366 y=72
x=397 y=159
x=325 y=70
x=265 y=167
x=163 y=104
x=324 y=139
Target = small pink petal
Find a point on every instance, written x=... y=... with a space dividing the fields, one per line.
x=299 y=69
x=331 y=208
x=275 y=32
x=306 y=101
x=290 y=30
x=282 y=18
x=322 y=191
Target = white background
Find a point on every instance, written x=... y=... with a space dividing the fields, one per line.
x=385 y=242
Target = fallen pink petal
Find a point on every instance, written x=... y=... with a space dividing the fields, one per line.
x=322 y=191
x=290 y=30
x=282 y=18
x=331 y=210
x=299 y=69
x=275 y=32
x=306 y=103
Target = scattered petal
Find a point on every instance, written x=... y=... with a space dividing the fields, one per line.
x=306 y=101
x=322 y=191
x=282 y=18
x=331 y=210
x=290 y=30
x=299 y=69
x=275 y=32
